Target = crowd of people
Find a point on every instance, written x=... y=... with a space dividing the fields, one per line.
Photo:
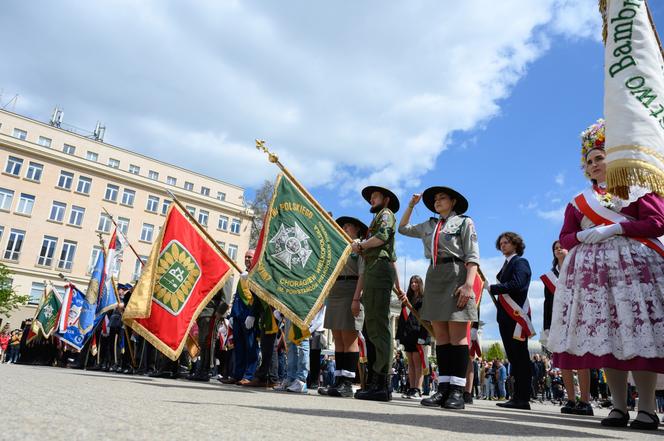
x=603 y=318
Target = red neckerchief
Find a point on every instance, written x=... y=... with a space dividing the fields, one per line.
x=599 y=189
x=434 y=252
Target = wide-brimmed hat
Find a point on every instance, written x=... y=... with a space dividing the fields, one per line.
x=394 y=200
x=352 y=220
x=461 y=202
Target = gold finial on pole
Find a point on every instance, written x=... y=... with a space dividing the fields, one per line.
x=260 y=145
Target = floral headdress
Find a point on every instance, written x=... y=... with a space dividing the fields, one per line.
x=592 y=138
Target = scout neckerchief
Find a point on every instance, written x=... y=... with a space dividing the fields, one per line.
x=434 y=240
x=598 y=214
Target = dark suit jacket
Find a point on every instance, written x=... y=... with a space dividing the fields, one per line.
x=514 y=280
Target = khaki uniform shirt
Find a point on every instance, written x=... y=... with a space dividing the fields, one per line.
x=354 y=266
x=457 y=238
x=383 y=227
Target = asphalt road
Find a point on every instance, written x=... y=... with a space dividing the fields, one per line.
x=45 y=403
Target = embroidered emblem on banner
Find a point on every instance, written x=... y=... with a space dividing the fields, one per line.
x=290 y=246
x=177 y=275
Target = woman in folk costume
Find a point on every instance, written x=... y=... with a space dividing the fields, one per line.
x=608 y=308
x=344 y=315
x=450 y=242
x=413 y=336
x=550 y=279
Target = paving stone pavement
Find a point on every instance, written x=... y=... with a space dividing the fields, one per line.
x=45 y=403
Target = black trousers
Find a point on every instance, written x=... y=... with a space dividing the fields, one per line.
x=519 y=358
x=267 y=349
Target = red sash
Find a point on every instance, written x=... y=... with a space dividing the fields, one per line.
x=550 y=281
x=598 y=214
x=524 y=326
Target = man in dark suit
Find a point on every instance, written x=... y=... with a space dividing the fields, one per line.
x=514 y=280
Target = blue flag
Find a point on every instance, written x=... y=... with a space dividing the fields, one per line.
x=73 y=336
x=99 y=298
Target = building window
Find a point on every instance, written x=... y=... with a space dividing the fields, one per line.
x=235 y=226
x=44 y=141
x=36 y=293
x=14 y=165
x=57 y=211
x=6 y=197
x=191 y=211
x=153 y=204
x=205 y=191
x=189 y=186
x=221 y=195
x=111 y=192
x=76 y=215
x=113 y=163
x=134 y=169
x=65 y=180
x=84 y=184
x=146 y=232
x=138 y=267
x=153 y=175
x=2 y=230
x=25 y=204
x=104 y=224
x=128 y=197
x=67 y=255
x=14 y=244
x=69 y=149
x=20 y=134
x=223 y=223
x=232 y=252
x=47 y=251
x=164 y=206
x=203 y=217
x=123 y=225
x=170 y=180
x=34 y=172
x=96 y=251
x=221 y=244
x=91 y=156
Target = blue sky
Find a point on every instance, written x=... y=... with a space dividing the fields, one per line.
x=487 y=97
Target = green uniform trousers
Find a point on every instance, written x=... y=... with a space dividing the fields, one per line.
x=379 y=278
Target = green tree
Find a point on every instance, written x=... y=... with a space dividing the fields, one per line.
x=259 y=205
x=9 y=299
x=495 y=352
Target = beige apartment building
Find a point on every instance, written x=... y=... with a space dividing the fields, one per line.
x=54 y=185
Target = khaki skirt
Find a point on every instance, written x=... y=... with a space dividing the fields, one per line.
x=440 y=302
x=338 y=315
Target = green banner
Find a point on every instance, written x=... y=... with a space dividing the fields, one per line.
x=47 y=317
x=299 y=255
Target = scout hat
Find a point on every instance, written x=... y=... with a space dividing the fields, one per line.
x=351 y=220
x=394 y=200
x=461 y=202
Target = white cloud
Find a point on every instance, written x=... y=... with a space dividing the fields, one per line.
x=330 y=86
x=556 y=215
x=560 y=179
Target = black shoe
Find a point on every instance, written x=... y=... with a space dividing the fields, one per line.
x=346 y=389
x=568 y=408
x=437 y=399
x=410 y=393
x=467 y=398
x=379 y=392
x=333 y=391
x=204 y=378
x=515 y=404
x=653 y=424
x=616 y=422
x=583 y=409
x=455 y=398
x=323 y=390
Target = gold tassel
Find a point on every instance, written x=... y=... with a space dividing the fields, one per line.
x=621 y=179
x=603 y=11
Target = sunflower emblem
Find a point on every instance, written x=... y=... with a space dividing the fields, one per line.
x=177 y=274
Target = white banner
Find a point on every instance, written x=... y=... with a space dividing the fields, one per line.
x=633 y=99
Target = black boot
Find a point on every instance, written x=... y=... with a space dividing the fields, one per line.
x=455 y=398
x=331 y=390
x=437 y=399
x=346 y=388
x=379 y=392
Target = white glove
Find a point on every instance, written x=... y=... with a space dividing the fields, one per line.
x=398 y=342
x=277 y=315
x=230 y=321
x=421 y=341
x=244 y=275
x=249 y=322
x=599 y=234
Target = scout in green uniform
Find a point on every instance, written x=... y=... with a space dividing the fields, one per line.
x=344 y=314
x=379 y=277
x=450 y=244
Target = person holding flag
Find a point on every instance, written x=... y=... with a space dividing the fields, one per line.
x=450 y=244
x=380 y=276
x=608 y=310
